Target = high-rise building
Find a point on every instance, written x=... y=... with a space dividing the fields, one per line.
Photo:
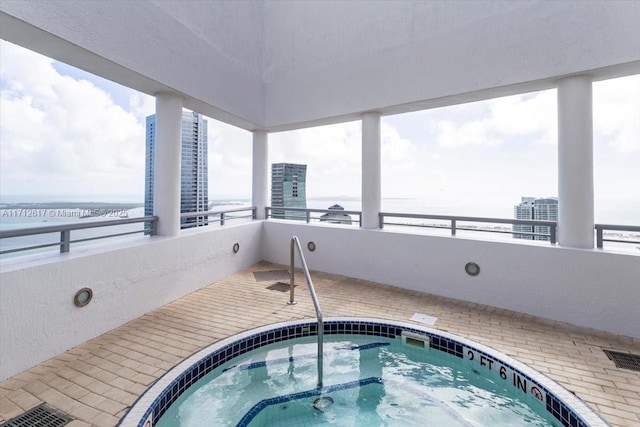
x=194 y=182
x=537 y=209
x=288 y=190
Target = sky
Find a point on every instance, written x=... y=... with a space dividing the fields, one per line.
x=70 y=135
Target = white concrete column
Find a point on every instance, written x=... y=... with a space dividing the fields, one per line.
x=575 y=163
x=166 y=189
x=371 y=175
x=260 y=176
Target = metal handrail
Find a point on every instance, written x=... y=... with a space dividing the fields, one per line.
x=66 y=229
x=222 y=214
x=268 y=213
x=296 y=243
x=600 y=228
x=454 y=219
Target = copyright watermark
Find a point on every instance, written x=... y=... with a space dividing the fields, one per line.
x=62 y=213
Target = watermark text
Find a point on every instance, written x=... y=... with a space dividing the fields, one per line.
x=63 y=213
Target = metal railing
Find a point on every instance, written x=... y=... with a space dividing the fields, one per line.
x=222 y=218
x=65 y=241
x=66 y=229
x=295 y=243
x=454 y=227
x=304 y=214
x=600 y=228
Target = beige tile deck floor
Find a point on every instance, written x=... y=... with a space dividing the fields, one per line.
x=97 y=381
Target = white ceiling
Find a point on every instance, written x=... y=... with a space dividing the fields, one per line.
x=280 y=65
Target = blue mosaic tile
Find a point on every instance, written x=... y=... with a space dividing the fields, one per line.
x=258 y=407
x=448 y=346
x=562 y=413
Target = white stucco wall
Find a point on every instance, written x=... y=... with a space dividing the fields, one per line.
x=589 y=288
x=38 y=319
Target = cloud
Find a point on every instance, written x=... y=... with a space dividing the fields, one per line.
x=408 y=169
x=478 y=132
x=69 y=136
x=616 y=113
x=60 y=135
x=500 y=121
x=141 y=105
x=533 y=116
x=230 y=160
x=332 y=155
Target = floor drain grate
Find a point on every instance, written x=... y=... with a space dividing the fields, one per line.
x=40 y=416
x=624 y=360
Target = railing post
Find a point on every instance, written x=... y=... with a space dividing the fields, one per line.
x=453 y=227
x=266 y=212
x=221 y=218
x=599 y=238
x=254 y=212
x=292 y=277
x=65 y=241
x=380 y=220
x=308 y=216
x=552 y=232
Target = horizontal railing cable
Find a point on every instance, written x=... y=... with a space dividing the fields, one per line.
x=601 y=228
x=65 y=232
x=65 y=241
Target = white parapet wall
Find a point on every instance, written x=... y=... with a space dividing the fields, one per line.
x=38 y=318
x=589 y=288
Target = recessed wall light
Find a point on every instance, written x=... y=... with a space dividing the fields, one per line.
x=472 y=269
x=311 y=246
x=236 y=248
x=83 y=297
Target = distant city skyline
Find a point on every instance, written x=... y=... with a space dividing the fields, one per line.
x=66 y=133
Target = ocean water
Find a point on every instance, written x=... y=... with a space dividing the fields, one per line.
x=21 y=218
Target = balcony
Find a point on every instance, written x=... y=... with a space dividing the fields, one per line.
x=553 y=308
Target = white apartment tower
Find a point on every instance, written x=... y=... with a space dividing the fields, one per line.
x=536 y=209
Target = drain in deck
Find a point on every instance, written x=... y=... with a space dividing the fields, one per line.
x=624 y=360
x=40 y=416
x=270 y=275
